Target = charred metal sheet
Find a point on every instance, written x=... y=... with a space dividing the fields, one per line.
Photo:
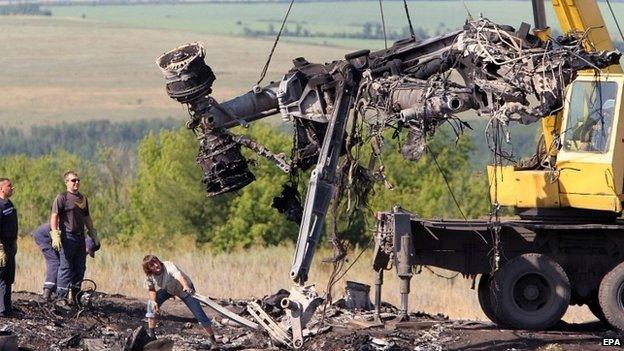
x=357 y=296
x=225 y=312
x=276 y=332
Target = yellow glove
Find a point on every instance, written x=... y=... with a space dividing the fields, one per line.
x=3 y=257
x=55 y=235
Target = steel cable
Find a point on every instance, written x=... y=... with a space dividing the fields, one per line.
x=277 y=38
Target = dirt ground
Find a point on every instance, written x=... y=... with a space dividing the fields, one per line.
x=109 y=322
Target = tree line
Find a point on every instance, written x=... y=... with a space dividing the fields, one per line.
x=82 y=138
x=23 y=9
x=369 y=30
x=156 y=193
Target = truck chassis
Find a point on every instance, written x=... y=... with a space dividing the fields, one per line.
x=531 y=269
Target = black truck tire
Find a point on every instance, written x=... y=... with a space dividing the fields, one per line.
x=483 y=293
x=531 y=291
x=611 y=296
x=596 y=310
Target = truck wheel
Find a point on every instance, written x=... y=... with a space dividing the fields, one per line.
x=483 y=292
x=532 y=291
x=596 y=310
x=611 y=296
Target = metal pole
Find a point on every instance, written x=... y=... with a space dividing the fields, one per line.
x=539 y=14
x=378 y=284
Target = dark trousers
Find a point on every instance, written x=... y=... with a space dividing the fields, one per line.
x=192 y=303
x=73 y=263
x=7 y=278
x=53 y=261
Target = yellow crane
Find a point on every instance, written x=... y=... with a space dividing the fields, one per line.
x=567 y=246
x=584 y=140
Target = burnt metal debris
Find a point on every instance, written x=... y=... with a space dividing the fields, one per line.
x=406 y=87
x=113 y=324
x=412 y=86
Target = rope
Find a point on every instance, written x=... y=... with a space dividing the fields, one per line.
x=354 y=261
x=277 y=38
x=383 y=24
x=409 y=20
x=448 y=186
x=615 y=19
x=441 y=275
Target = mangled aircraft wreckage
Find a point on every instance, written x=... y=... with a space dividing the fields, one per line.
x=503 y=74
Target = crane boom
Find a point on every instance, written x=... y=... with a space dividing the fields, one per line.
x=584 y=15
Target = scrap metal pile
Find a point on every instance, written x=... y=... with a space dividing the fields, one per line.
x=407 y=86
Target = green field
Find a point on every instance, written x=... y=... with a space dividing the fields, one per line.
x=326 y=17
x=97 y=62
x=57 y=69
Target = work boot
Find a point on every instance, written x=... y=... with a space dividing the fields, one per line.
x=213 y=343
x=47 y=294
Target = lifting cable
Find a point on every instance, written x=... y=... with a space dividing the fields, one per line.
x=615 y=19
x=383 y=24
x=448 y=186
x=495 y=210
x=409 y=20
x=277 y=38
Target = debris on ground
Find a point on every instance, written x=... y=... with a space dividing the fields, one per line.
x=115 y=322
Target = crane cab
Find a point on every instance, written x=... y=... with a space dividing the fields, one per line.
x=589 y=171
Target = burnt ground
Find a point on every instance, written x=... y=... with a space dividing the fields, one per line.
x=110 y=320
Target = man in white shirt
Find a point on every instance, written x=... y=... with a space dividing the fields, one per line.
x=165 y=280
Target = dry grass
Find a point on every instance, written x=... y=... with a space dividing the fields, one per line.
x=57 y=69
x=258 y=272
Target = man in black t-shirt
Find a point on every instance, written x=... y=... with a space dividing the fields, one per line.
x=8 y=245
x=70 y=215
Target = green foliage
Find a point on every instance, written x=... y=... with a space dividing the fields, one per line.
x=162 y=197
x=168 y=198
x=82 y=138
x=38 y=180
x=420 y=187
x=23 y=9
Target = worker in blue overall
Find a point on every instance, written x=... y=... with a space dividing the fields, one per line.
x=52 y=257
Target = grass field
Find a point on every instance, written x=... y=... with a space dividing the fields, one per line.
x=326 y=17
x=258 y=272
x=67 y=70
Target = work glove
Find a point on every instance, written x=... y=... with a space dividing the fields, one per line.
x=55 y=235
x=3 y=257
x=96 y=240
x=190 y=290
x=89 y=246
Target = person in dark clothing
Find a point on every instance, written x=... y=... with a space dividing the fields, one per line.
x=52 y=257
x=8 y=246
x=70 y=215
